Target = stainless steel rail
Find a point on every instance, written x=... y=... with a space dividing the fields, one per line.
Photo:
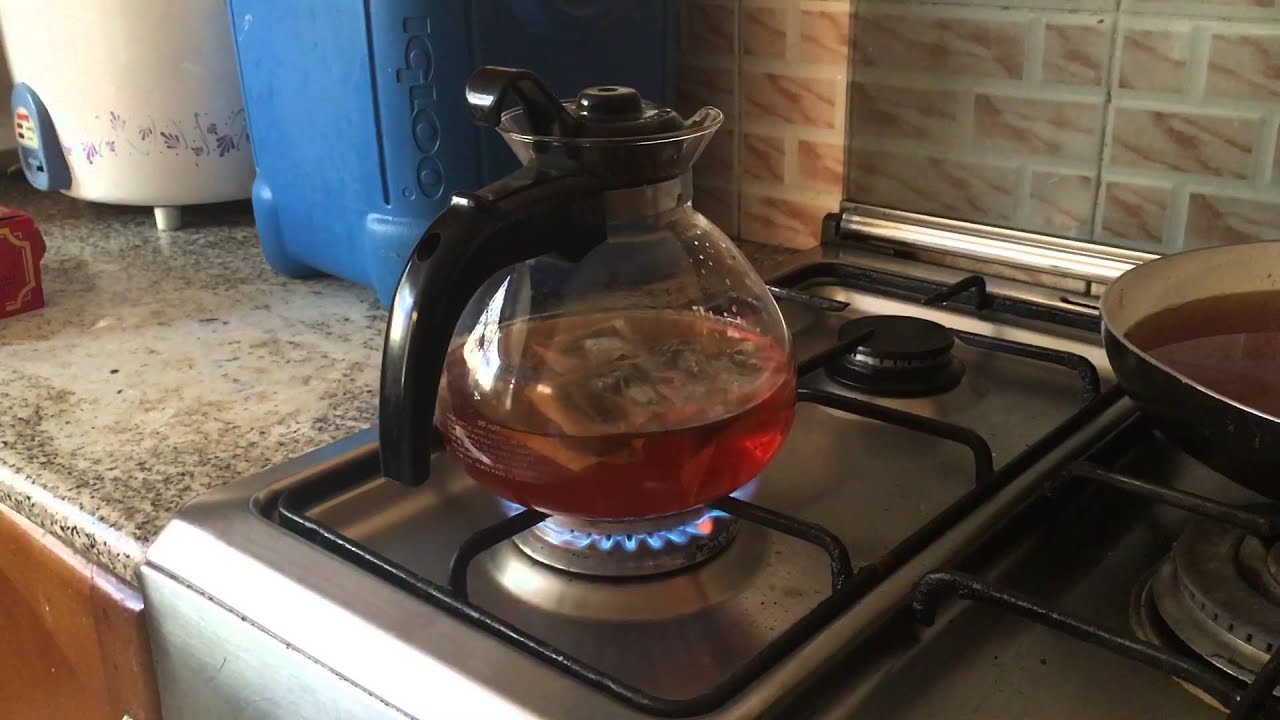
x=1014 y=248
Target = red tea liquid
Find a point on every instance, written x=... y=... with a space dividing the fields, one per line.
x=618 y=416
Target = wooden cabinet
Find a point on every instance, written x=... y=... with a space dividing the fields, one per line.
x=73 y=644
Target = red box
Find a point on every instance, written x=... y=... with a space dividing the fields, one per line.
x=21 y=250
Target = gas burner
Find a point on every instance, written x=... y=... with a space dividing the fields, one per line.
x=903 y=357
x=1217 y=594
x=629 y=549
x=1148 y=624
x=528 y=582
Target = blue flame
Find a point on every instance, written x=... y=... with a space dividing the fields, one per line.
x=631 y=542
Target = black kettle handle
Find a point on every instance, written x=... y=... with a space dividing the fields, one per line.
x=518 y=218
x=490 y=88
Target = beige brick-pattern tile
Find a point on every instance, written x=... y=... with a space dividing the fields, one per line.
x=794 y=96
x=1244 y=66
x=953 y=188
x=702 y=85
x=1204 y=8
x=1061 y=204
x=764 y=30
x=820 y=166
x=782 y=221
x=1133 y=214
x=929 y=117
x=1033 y=127
x=708 y=27
x=1187 y=142
x=824 y=35
x=708 y=75
x=1154 y=59
x=947 y=46
x=764 y=157
x=1213 y=220
x=1077 y=53
x=791 y=99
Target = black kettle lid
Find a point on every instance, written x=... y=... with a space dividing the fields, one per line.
x=609 y=131
x=615 y=111
x=607 y=111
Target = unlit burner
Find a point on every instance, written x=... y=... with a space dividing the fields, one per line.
x=901 y=356
x=628 y=549
x=1217 y=594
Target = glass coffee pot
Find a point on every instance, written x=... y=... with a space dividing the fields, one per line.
x=583 y=341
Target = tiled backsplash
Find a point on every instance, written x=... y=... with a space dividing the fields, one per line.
x=778 y=68
x=1147 y=123
x=985 y=113
x=1143 y=123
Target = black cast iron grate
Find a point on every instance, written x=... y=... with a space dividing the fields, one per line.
x=848 y=583
x=1251 y=701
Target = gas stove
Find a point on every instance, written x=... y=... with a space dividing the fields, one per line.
x=968 y=520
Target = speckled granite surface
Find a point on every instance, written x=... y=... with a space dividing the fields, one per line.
x=165 y=365
x=168 y=364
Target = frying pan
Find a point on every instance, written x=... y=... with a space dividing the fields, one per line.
x=1237 y=441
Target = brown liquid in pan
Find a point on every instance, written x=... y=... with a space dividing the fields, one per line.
x=1228 y=344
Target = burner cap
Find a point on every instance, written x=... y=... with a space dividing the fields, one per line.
x=903 y=357
x=1150 y=626
x=1219 y=594
x=629 y=549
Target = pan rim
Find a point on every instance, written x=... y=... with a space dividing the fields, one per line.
x=1107 y=311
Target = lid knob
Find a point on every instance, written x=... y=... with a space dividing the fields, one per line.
x=610 y=103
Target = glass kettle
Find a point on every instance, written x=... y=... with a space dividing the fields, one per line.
x=583 y=341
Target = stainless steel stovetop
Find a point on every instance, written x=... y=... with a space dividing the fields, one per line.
x=319 y=590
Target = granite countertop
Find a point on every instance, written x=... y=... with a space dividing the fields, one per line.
x=168 y=364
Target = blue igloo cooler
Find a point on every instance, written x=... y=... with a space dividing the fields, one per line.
x=356 y=114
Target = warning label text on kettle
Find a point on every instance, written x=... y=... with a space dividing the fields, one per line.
x=25 y=129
